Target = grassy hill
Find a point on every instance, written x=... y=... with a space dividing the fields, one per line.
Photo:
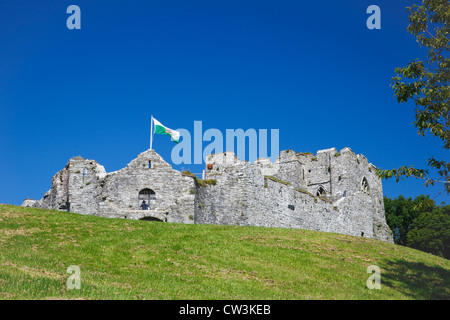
x=125 y=259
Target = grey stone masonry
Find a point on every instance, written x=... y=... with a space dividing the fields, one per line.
x=331 y=191
x=84 y=187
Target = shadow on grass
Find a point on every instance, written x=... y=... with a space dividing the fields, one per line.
x=417 y=279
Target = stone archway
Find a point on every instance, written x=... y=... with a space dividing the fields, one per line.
x=146 y=199
x=321 y=192
x=365 y=186
x=151 y=219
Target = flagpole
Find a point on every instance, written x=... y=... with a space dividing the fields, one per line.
x=151 y=133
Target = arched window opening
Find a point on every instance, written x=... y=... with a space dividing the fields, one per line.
x=365 y=186
x=146 y=198
x=321 y=192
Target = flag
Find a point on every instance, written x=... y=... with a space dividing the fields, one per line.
x=159 y=128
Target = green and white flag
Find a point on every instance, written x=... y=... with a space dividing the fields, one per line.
x=159 y=128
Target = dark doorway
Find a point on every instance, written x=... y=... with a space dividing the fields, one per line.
x=150 y=219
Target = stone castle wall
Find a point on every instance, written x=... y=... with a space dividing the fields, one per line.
x=244 y=195
x=280 y=194
x=84 y=187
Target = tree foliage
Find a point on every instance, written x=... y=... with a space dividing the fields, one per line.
x=401 y=212
x=419 y=224
x=430 y=232
x=427 y=84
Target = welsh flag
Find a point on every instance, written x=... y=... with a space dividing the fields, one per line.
x=159 y=128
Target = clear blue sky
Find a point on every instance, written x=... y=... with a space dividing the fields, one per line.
x=309 y=68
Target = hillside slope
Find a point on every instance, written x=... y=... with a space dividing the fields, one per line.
x=125 y=259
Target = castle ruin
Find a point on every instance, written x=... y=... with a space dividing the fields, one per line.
x=331 y=191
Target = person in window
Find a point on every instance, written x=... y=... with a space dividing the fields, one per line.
x=144 y=206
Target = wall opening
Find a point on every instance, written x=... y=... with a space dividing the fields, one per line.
x=365 y=185
x=146 y=199
x=151 y=219
x=321 y=191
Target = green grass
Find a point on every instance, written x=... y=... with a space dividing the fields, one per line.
x=199 y=182
x=278 y=180
x=304 y=191
x=125 y=259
